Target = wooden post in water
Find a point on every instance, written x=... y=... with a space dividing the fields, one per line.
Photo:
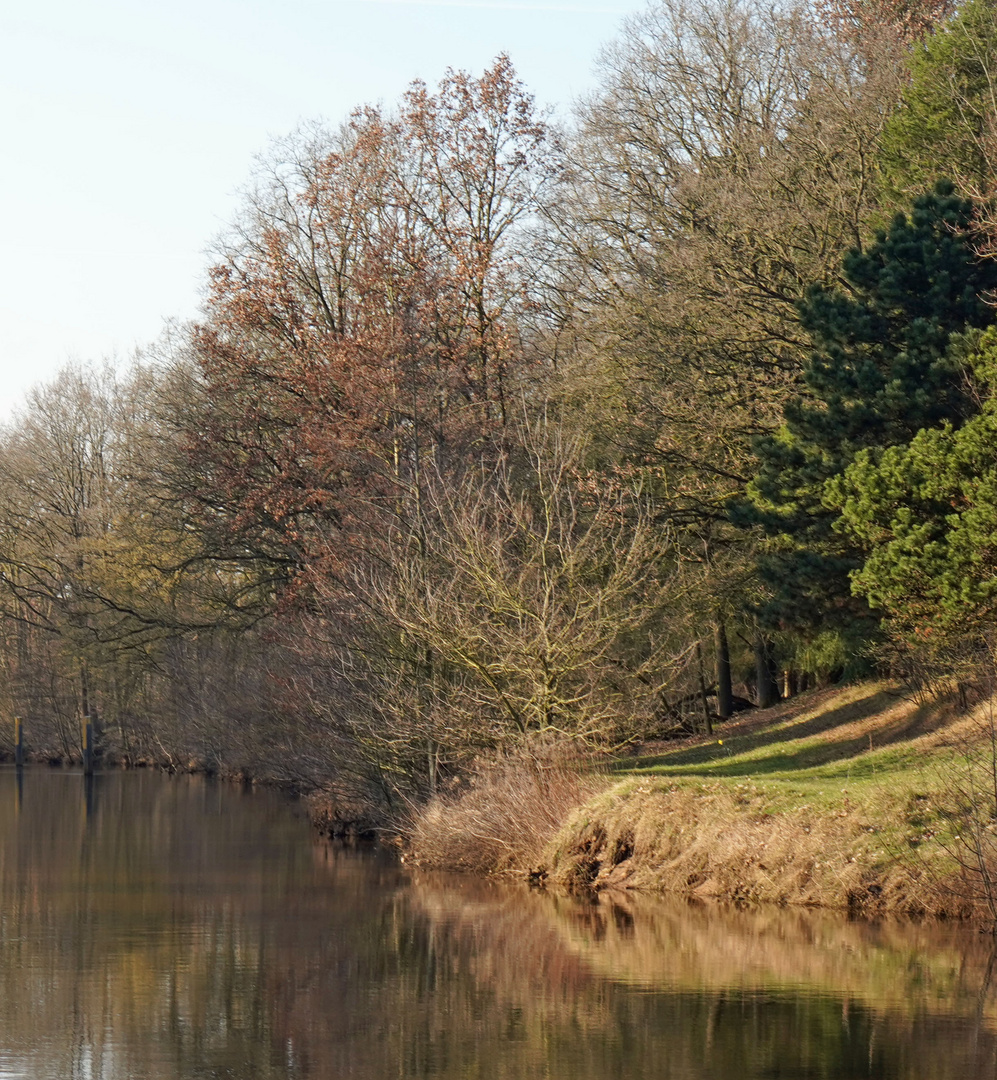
x=18 y=742
x=87 y=746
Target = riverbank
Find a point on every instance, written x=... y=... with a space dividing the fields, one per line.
x=854 y=797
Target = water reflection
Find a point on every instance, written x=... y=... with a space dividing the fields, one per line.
x=173 y=928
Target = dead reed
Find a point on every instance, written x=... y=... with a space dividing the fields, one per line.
x=502 y=818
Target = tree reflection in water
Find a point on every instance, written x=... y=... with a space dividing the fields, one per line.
x=174 y=928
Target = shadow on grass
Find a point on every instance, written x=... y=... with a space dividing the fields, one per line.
x=797 y=745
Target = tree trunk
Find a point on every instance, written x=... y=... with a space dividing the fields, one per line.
x=768 y=692
x=789 y=683
x=707 y=718
x=725 y=693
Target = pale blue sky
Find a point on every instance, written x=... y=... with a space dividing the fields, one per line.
x=129 y=128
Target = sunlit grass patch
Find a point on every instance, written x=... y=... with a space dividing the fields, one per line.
x=848 y=801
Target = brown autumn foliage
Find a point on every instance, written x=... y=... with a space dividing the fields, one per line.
x=885 y=23
x=359 y=323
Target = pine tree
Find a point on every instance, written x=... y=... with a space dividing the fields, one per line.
x=926 y=512
x=879 y=373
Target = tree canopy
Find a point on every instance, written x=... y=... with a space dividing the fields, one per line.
x=880 y=372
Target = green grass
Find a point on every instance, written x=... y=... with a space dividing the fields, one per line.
x=863 y=745
x=851 y=796
x=860 y=733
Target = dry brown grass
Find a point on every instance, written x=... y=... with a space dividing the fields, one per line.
x=853 y=798
x=505 y=817
x=717 y=841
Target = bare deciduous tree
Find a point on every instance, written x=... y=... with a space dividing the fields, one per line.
x=529 y=607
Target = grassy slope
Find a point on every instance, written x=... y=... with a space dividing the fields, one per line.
x=839 y=798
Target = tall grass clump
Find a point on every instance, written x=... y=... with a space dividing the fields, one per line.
x=501 y=818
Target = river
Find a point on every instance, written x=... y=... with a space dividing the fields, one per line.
x=158 y=928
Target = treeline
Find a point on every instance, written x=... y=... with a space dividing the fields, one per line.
x=495 y=435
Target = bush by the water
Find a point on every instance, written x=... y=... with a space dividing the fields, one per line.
x=501 y=820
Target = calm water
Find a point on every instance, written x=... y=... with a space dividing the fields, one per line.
x=174 y=928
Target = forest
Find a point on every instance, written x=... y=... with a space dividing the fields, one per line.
x=498 y=437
